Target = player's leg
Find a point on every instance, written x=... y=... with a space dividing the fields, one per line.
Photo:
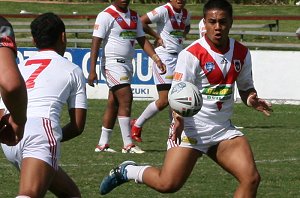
x=123 y=95
x=163 y=84
x=236 y=157
x=111 y=111
x=177 y=167
x=110 y=114
x=35 y=177
x=108 y=122
x=63 y=186
x=156 y=106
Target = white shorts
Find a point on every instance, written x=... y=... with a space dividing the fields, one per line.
x=41 y=140
x=202 y=136
x=170 y=61
x=117 y=72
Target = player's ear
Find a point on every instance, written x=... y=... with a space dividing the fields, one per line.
x=63 y=37
x=33 y=42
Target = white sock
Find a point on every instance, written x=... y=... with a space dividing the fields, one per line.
x=105 y=136
x=136 y=173
x=148 y=113
x=124 y=123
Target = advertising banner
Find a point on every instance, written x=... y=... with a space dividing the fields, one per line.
x=142 y=82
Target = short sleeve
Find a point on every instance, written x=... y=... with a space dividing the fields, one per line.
x=78 y=97
x=102 y=25
x=7 y=37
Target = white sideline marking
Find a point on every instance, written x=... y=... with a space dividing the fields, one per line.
x=115 y=164
x=277 y=160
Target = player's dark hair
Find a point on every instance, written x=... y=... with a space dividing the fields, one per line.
x=46 y=30
x=218 y=4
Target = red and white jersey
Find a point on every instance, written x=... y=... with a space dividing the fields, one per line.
x=7 y=37
x=215 y=75
x=170 y=26
x=51 y=82
x=119 y=31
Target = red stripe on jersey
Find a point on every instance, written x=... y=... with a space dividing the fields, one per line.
x=215 y=76
x=121 y=21
x=173 y=18
x=8 y=41
x=237 y=62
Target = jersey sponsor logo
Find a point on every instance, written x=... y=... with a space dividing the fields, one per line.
x=217 y=91
x=177 y=76
x=169 y=77
x=209 y=66
x=119 y=19
x=134 y=18
x=128 y=35
x=237 y=65
x=190 y=140
x=124 y=78
x=176 y=34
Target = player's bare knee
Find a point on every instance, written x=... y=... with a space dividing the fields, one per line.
x=162 y=103
x=252 y=180
x=169 y=187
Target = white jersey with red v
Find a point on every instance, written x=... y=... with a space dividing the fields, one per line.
x=174 y=23
x=119 y=31
x=215 y=74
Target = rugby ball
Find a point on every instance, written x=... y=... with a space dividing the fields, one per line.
x=185 y=98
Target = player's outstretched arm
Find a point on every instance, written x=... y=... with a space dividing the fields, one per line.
x=251 y=99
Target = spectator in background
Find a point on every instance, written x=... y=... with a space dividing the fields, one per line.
x=172 y=23
x=213 y=63
x=202 y=29
x=12 y=85
x=51 y=82
x=118 y=27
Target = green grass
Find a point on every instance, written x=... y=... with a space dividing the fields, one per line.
x=275 y=142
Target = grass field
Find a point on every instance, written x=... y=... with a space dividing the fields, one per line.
x=275 y=142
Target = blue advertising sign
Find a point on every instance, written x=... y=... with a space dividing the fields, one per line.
x=80 y=56
x=142 y=82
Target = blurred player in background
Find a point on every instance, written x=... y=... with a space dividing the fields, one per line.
x=213 y=63
x=173 y=23
x=118 y=28
x=12 y=85
x=51 y=82
x=202 y=29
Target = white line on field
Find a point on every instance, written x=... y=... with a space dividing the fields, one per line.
x=277 y=160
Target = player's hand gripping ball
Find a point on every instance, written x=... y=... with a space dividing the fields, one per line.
x=185 y=99
x=7 y=135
